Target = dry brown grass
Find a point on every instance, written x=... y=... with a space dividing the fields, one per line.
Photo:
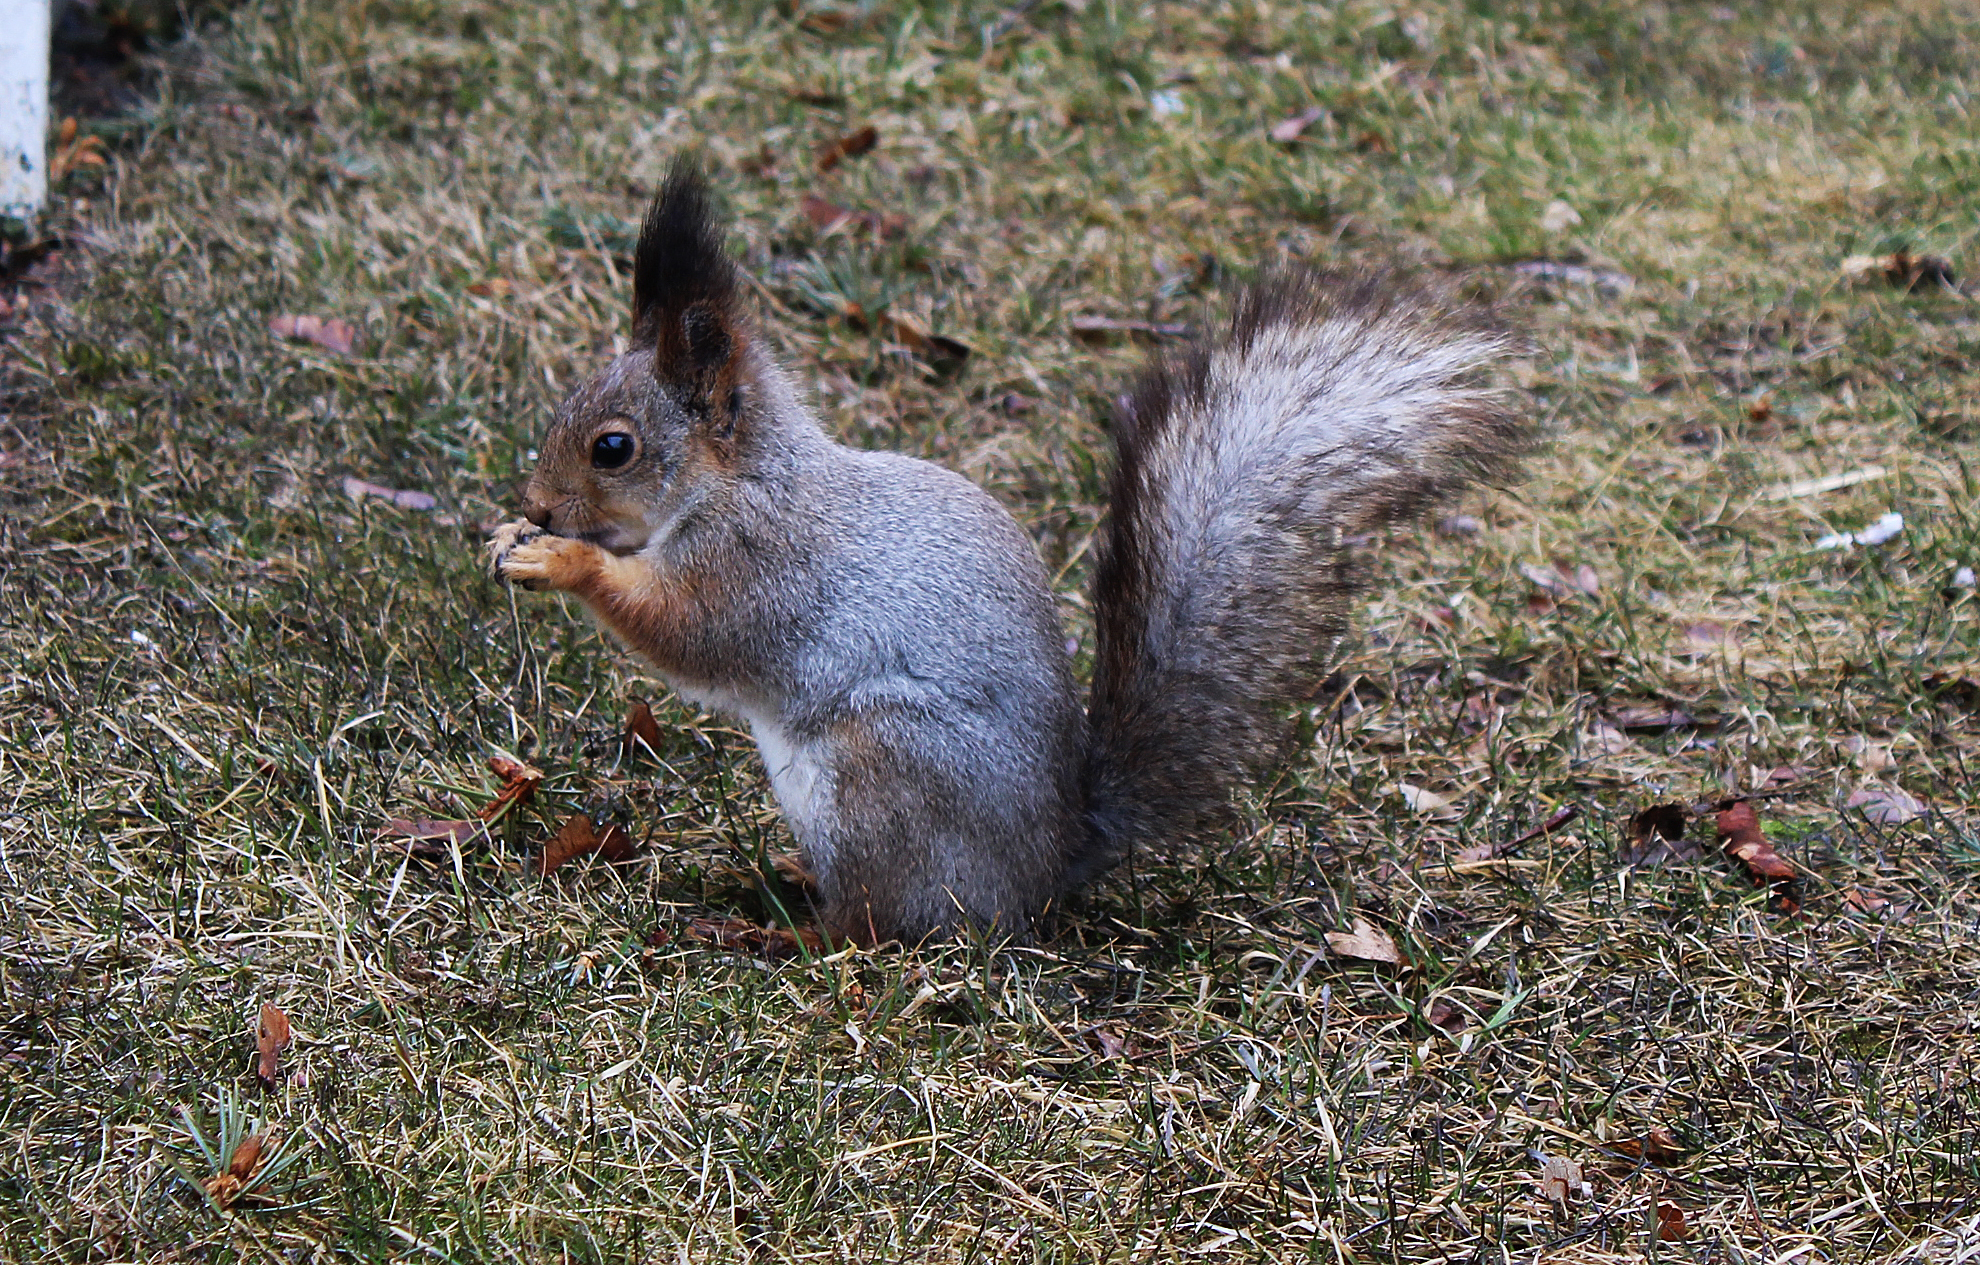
x=221 y=675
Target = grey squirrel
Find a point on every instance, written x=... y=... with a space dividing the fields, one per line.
x=886 y=629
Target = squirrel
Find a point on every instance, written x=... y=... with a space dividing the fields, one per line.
x=887 y=630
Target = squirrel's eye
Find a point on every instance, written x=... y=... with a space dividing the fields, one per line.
x=612 y=450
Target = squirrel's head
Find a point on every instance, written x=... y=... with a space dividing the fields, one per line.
x=663 y=427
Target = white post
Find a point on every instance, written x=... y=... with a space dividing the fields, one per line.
x=23 y=106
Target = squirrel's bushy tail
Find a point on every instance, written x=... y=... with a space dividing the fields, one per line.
x=1331 y=406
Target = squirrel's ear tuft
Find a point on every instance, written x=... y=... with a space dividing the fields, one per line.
x=684 y=293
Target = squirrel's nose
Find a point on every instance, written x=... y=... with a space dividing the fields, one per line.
x=537 y=512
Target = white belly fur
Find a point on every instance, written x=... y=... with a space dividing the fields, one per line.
x=803 y=784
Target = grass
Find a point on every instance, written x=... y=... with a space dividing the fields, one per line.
x=222 y=675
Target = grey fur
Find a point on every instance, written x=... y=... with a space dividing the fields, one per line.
x=888 y=632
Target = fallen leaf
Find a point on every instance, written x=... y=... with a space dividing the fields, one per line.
x=1106 y=329
x=1901 y=269
x=736 y=933
x=1366 y=941
x=1865 y=900
x=494 y=289
x=1706 y=636
x=1948 y=687
x=1651 y=717
x=1658 y=1146
x=271 y=1037
x=226 y=1187
x=1560 y=1178
x=642 y=731
x=1740 y=836
x=851 y=145
x=519 y=783
x=578 y=837
x=1427 y=802
x=1441 y=1014
x=1886 y=805
x=827 y=19
x=1784 y=775
x=793 y=870
x=417 y=831
x=1558 y=581
x=1670 y=1223
x=332 y=335
x=405 y=499
x=1558 y=217
x=1871 y=757
x=1287 y=130
x=1111 y=1044
x=932 y=347
x=1608 y=738
x=72 y=151
x=1656 y=835
x=826 y=217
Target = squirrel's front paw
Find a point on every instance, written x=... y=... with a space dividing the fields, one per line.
x=540 y=561
x=504 y=539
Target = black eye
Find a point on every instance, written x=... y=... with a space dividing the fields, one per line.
x=613 y=449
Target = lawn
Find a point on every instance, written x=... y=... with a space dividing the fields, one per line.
x=225 y=666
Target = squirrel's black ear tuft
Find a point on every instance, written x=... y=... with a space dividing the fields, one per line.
x=684 y=291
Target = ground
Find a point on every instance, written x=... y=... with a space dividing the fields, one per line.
x=222 y=674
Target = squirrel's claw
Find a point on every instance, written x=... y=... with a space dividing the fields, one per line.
x=504 y=540
x=539 y=560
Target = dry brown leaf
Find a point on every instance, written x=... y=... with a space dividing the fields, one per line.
x=1670 y=1223
x=1112 y=1046
x=642 y=731
x=332 y=335
x=414 y=832
x=1741 y=837
x=1366 y=941
x=491 y=289
x=1902 y=270
x=271 y=1037
x=226 y=1187
x=793 y=870
x=1106 y=329
x=405 y=499
x=737 y=933
x=579 y=837
x=1287 y=130
x=72 y=151
x=931 y=347
x=1427 y=802
x=827 y=19
x=1886 y=805
x=1608 y=739
x=851 y=145
x=1869 y=902
x=1451 y=1019
x=1557 y=581
x=519 y=783
x=827 y=216
x=1706 y=636
x=1651 y=717
x=1559 y=1178
x=1658 y=1146
x=1656 y=835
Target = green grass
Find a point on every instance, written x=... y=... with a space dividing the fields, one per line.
x=221 y=676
